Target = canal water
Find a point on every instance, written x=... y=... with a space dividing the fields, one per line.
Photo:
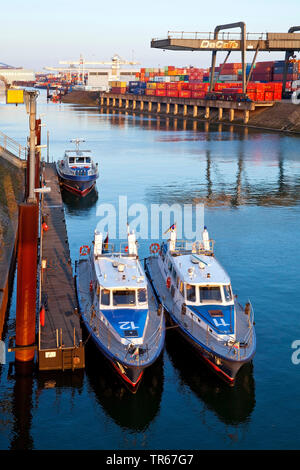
x=249 y=183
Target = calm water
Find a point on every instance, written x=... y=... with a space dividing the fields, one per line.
x=250 y=184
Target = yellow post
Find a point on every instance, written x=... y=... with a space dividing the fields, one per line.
x=141 y=105
x=107 y=101
x=114 y=102
x=220 y=116
x=149 y=106
x=175 y=108
x=185 y=109
x=231 y=114
x=133 y=104
x=206 y=112
x=195 y=111
x=167 y=108
x=120 y=102
x=158 y=107
x=246 y=116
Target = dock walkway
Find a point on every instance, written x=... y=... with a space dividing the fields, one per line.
x=60 y=339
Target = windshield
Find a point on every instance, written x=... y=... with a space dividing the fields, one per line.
x=80 y=160
x=227 y=293
x=105 y=296
x=190 y=293
x=142 y=295
x=87 y=160
x=124 y=297
x=71 y=159
x=209 y=294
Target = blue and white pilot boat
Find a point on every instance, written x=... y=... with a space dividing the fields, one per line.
x=197 y=296
x=118 y=307
x=77 y=171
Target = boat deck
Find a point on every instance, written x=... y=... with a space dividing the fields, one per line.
x=199 y=333
x=155 y=329
x=60 y=339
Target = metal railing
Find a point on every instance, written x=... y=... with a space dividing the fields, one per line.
x=111 y=249
x=12 y=146
x=196 y=247
x=224 y=36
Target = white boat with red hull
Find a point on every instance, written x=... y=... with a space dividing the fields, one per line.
x=119 y=308
x=196 y=295
x=77 y=171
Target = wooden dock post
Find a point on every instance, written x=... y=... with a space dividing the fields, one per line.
x=195 y=111
x=246 y=116
x=220 y=114
x=231 y=114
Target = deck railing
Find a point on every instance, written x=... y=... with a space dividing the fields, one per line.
x=9 y=144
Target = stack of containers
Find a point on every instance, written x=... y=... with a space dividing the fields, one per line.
x=230 y=72
x=263 y=72
x=292 y=71
x=137 y=87
x=118 y=87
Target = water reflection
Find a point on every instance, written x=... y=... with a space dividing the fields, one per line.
x=232 y=405
x=218 y=185
x=22 y=405
x=128 y=410
x=77 y=205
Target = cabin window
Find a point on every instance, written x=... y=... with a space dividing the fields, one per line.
x=142 y=295
x=80 y=160
x=88 y=159
x=227 y=293
x=105 y=296
x=124 y=297
x=71 y=160
x=190 y=293
x=209 y=293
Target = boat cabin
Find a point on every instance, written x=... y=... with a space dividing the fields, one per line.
x=78 y=159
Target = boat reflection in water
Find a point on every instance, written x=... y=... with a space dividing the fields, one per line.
x=76 y=205
x=232 y=405
x=128 y=410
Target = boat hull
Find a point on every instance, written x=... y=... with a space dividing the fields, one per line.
x=131 y=376
x=80 y=185
x=224 y=367
x=130 y=372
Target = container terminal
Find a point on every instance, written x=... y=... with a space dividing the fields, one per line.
x=236 y=92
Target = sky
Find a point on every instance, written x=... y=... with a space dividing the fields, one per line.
x=37 y=33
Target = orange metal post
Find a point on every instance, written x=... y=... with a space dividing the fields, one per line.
x=27 y=280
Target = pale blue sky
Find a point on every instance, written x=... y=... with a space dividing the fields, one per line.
x=38 y=33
